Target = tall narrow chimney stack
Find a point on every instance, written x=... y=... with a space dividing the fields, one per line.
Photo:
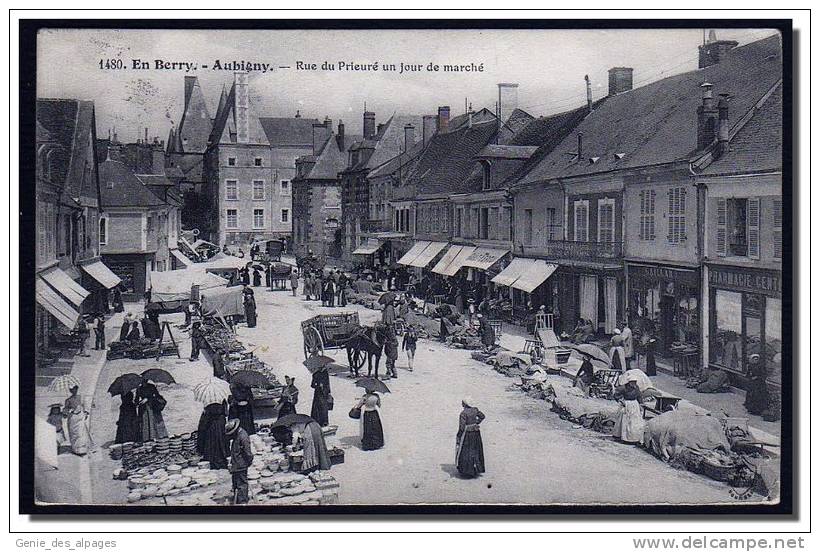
x=507 y=100
x=443 y=119
x=369 y=125
x=409 y=136
x=428 y=127
x=707 y=117
x=241 y=107
x=340 y=135
x=723 y=124
x=620 y=80
x=589 y=93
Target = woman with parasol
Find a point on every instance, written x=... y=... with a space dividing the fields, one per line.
x=149 y=411
x=77 y=420
x=128 y=427
x=211 y=441
x=322 y=399
x=469 y=448
x=241 y=406
x=370 y=422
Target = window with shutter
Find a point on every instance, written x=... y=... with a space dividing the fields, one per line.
x=647 y=218
x=606 y=220
x=582 y=220
x=753 y=227
x=720 y=238
x=677 y=216
x=777 y=234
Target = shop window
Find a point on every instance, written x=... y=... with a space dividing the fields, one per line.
x=726 y=347
x=232 y=219
x=231 y=190
x=493 y=224
x=483 y=229
x=581 y=220
x=457 y=228
x=777 y=225
x=773 y=339
x=606 y=220
x=647 y=230
x=258 y=218
x=258 y=190
x=677 y=216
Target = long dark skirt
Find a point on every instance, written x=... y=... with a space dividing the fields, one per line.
x=245 y=416
x=128 y=425
x=212 y=443
x=372 y=432
x=757 y=396
x=318 y=410
x=250 y=315
x=471 y=456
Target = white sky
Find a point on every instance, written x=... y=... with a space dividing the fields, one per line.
x=549 y=65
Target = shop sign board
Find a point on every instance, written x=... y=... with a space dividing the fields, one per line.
x=746 y=279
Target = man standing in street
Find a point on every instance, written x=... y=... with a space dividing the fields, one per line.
x=241 y=459
x=196 y=336
x=294 y=281
x=99 y=333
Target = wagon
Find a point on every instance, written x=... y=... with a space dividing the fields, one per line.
x=329 y=331
x=279 y=276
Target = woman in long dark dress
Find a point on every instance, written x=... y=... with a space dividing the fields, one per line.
x=126 y=327
x=370 y=424
x=757 y=394
x=211 y=441
x=249 y=303
x=241 y=407
x=257 y=278
x=469 y=448
x=134 y=333
x=128 y=427
x=287 y=406
x=321 y=396
x=149 y=412
x=487 y=333
x=116 y=299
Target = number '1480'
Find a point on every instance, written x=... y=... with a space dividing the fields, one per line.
x=111 y=64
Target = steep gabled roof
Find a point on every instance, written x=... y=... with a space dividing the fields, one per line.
x=195 y=125
x=657 y=123
x=224 y=125
x=288 y=131
x=120 y=187
x=463 y=120
x=402 y=162
x=332 y=159
x=758 y=146
x=389 y=143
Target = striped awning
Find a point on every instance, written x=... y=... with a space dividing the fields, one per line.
x=414 y=252
x=56 y=305
x=513 y=271
x=63 y=283
x=429 y=253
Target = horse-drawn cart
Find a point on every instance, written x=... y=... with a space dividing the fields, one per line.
x=329 y=331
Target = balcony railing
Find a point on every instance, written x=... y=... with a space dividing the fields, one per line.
x=583 y=251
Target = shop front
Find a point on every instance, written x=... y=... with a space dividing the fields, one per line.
x=593 y=293
x=132 y=270
x=664 y=301
x=528 y=286
x=745 y=309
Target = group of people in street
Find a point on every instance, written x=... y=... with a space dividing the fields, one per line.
x=331 y=288
x=140 y=417
x=75 y=416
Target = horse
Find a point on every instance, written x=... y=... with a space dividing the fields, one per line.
x=369 y=340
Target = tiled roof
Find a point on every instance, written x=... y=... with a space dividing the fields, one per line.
x=332 y=160
x=462 y=120
x=391 y=142
x=70 y=127
x=120 y=187
x=502 y=151
x=403 y=161
x=657 y=123
x=288 y=131
x=758 y=146
x=195 y=125
x=448 y=159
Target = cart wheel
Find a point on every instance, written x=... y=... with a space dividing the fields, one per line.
x=313 y=342
x=358 y=357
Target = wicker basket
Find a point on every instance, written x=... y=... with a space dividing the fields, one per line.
x=718 y=472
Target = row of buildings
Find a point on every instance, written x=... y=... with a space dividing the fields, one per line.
x=661 y=204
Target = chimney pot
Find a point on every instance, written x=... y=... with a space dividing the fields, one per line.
x=714 y=51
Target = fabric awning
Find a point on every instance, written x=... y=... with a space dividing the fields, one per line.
x=370 y=247
x=175 y=285
x=102 y=274
x=513 y=271
x=448 y=257
x=180 y=256
x=414 y=252
x=63 y=283
x=428 y=254
x=534 y=276
x=485 y=257
x=458 y=262
x=56 y=305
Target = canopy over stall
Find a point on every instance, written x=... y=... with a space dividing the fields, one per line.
x=369 y=247
x=175 y=285
x=484 y=257
x=513 y=271
x=429 y=253
x=459 y=260
x=414 y=252
x=102 y=274
x=223 y=301
x=221 y=261
x=534 y=276
x=56 y=305
x=180 y=256
x=63 y=283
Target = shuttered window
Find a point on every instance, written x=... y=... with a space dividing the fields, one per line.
x=677 y=216
x=647 y=230
x=582 y=220
x=606 y=220
x=720 y=237
x=753 y=227
x=777 y=224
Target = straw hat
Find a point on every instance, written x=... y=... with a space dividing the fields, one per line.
x=231 y=426
x=467 y=400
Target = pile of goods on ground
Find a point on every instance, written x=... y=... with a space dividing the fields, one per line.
x=144 y=348
x=153 y=455
x=172 y=480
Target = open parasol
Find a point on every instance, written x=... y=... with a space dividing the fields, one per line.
x=63 y=384
x=124 y=384
x=314 y=363
x=373 y=384
x=251 y=378
x=158 y=375
x=592 y=351
x=212 y=390
x=387 y=297
x=292 y=419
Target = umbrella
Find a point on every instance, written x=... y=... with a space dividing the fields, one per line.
x=387 y=298
x=292 y=419
x=124 y=384
x=251 y=378
x=63 y=384
x=373 y=384
x=592 y=351
x=314 y=363
x=158 y=376
x=212 y=390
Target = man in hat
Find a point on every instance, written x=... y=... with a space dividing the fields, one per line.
x=241 y=459
x=196 y=340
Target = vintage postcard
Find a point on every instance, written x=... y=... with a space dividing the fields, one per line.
x=311 y=269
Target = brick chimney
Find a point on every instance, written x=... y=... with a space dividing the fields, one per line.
x=428 y=127
x=707 y=117
x=409 y=136
x=620 y=80
x=713 y=51
x=723 y=124
x=443 y=121
x=507 y=100
x=589 y=93
x=241 y=100
x=369 y=125
x=340 y=136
